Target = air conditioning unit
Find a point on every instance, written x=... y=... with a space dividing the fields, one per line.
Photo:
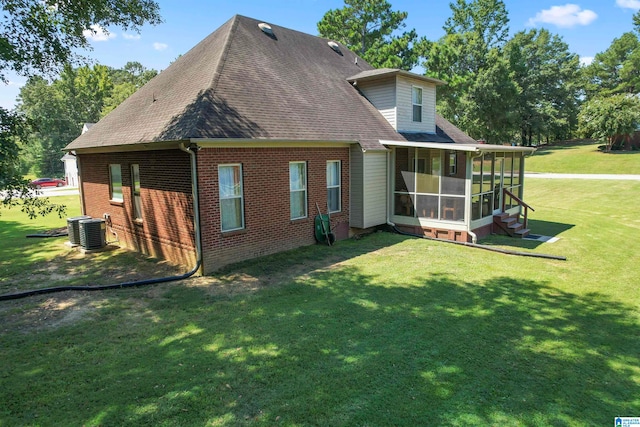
x=73 y=228
x=92 y=233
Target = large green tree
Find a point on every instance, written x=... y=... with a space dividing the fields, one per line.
x=469 y=58
x=41 y=36
x=609 y=117
x=546 y=75
x=372 y=29
x=616 y=70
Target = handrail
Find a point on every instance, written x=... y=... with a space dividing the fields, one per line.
x=520 y=202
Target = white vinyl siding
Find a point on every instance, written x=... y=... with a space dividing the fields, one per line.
x=382 y=95
x=368 y=188
x=405 y=106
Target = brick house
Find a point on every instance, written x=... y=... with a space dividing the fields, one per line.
x=224 y=155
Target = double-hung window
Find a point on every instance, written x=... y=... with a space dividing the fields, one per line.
x=135 y=188
x=333 y=185
x=416 y=95
x=115 y=183
x=231 y=197
x=298 y=189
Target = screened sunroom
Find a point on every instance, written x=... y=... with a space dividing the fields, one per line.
x=450 y=190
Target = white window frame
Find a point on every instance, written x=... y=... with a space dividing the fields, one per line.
x=337 y=186
x=293 y=190
x=113 y=185
x=415 y=104
x=232 y=197
x=135 y=192
x=453 y=163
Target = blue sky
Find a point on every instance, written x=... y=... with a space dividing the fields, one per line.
x=587 y=26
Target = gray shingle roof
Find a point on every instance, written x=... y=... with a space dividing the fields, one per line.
x=446 y=132
x=241 y=83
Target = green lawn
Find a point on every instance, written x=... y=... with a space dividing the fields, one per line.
x=386 y=330
x=583 y=157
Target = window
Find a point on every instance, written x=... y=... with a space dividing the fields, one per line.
x=231 y=197
x=417 y=104
x=453 y=166
x=333 y=185
x=135 y=189
x=298 y=189
x=115 y=183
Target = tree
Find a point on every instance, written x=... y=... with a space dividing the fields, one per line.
x=40 y=36
x=547 y=77
x=616 y=70
x=369 y=28
x=16 y=191
x=468 y=54
x=607 y=117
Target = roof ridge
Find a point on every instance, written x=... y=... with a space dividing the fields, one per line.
x=217 y=73
x=225 y=53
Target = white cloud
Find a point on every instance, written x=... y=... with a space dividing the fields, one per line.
x=131 y=36
x=98 y=34
x=629 y=4
x=586 y=60
x=566 y=16
x=160 y=46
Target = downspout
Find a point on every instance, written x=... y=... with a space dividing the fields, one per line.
x=196 y=224
x=196 y=200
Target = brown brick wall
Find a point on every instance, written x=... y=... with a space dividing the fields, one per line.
x=268 y=228
x=166 y=230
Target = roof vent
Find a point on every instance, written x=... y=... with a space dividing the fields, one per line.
x=266 y=28
x=335 y=46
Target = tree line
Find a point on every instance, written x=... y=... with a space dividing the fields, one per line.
x=527 y=89
x=58 y=109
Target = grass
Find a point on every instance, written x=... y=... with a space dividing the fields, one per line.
x=386 y=330
x=583 y=157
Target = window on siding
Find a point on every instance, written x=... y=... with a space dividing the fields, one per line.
x=333 y=185
x=298 y=189
x=115 y=183
x=417 y=104
x=135 y=189
x=453 y=166
x=231 y=197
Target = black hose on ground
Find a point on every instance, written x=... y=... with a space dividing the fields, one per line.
x=33 y=292
x=485 y=247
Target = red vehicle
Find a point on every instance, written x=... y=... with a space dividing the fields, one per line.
x=47 y=182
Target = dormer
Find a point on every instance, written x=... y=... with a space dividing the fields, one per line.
x=406 y=100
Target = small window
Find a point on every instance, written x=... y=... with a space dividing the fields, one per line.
x=231 y=197
x=298 y=189
x=135 y=189
x=333 y=185
x=417 y=104
x=115 y=183
x=453 y=167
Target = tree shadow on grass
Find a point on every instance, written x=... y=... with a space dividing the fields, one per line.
x=339 y=347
